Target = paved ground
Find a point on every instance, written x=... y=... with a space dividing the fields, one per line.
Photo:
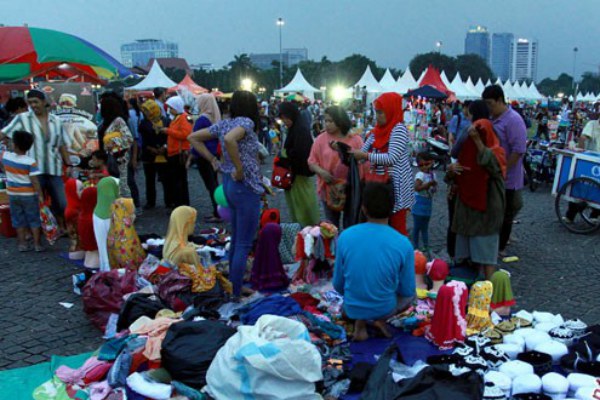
x=557 y=272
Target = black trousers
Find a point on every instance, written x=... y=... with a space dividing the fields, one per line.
x=152 y=171
x=133 y=187
x=514 y=203
x=177 y=183
x=210 y=178
x=450 y=235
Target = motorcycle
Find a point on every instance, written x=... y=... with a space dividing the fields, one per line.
x=540 y=162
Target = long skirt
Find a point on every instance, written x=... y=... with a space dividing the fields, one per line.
x=302 y=201
x=101 y=228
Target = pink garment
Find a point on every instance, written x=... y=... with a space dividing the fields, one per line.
x=156 y=330
x=99 y=390
x=325 y=157
x=77 y=376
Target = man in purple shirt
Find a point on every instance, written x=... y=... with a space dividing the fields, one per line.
x=512 y=133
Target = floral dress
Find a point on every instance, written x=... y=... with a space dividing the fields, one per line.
x=124 y=247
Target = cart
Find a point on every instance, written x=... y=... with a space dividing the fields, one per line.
x=577 y=190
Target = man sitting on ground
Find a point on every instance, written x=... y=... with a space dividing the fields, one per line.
x=374 y=266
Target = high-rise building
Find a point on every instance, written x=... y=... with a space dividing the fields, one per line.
x=502 y=54
x=140 y=52
x=524 y=59
x=290 y=57
x=477 y=42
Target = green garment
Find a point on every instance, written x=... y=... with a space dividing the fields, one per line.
x=108 y=192
x=470 y=222
x=302 y=201
x=503 y=294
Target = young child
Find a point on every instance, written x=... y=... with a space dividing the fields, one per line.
x=274 y=134
x=24 y=191
x=425 y=187
x=98 y=166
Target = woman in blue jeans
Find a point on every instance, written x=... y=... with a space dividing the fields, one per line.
x=242 y=179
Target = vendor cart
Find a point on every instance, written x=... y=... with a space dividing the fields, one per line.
x=577 y=190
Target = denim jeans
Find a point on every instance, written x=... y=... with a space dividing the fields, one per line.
x=245 y=209
x=53 y=186
x=420 y=226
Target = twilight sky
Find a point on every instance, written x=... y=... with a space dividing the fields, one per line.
x=390 y=32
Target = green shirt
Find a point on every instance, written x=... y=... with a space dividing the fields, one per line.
x=108 y=192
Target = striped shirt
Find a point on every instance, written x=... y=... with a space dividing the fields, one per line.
x=45 y=149
x=19 y=169
x=397 y=159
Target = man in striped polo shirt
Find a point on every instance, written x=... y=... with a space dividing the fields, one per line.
x=49 y=150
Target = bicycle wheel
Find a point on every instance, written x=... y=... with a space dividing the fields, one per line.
x=585 y=217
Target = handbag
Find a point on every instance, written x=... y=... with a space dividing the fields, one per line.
x=282 y=176
x=335 y=195
x=378 y=173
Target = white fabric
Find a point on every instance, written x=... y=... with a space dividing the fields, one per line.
x=176 y=103
x=524 y=332
x=154 y=390
x=273 y=359
x=555 y=385
x=554 y=348
x=535 y=339
x=540 y=317
x=545 y=326
x=101 y=228
x=528 y=383
x=155 y=78
x=577 y=381
x=501 y=380
x=515 y=339
x=516 y=368
x=586 y=393
x=525 y=315
x=510 y=349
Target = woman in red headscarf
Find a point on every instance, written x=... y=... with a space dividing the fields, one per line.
x=479 y=175
x=386 y=148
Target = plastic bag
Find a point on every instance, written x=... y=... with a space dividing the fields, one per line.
x=149 y=265
x=273 y=359
x=49 y=224
x=103 y=295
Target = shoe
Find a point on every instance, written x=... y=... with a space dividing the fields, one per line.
x=567 y=220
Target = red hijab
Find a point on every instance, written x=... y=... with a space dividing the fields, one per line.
x=473 y=181
x=391 y=104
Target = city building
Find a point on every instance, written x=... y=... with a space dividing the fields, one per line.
x=290 y=57
x=171 y=63
x=502 y=54
x=477 y=42
x=203 y=66
x=524 y=60
x=140 y=52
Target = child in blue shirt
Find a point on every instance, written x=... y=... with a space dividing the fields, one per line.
x=425 y=188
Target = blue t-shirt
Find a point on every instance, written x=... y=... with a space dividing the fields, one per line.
x=212 y=145
x=374 y=264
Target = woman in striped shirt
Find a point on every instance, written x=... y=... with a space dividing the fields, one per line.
x=386 y=148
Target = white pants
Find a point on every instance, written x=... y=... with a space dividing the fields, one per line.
x=101 y=228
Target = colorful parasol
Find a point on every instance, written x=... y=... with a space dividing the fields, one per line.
x=27 y=52
x=296 y=97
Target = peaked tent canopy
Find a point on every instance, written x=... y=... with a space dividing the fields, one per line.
x=155 y=78
x=480 y=86
x=471 y=87
x=387 y=82
x=368 y=80
x=406 y=82
x=458 y=87
x=428 y=92
x=188 y=83
x=488 y=83
x=432 y=78
x=299 y=84
x=445 y=79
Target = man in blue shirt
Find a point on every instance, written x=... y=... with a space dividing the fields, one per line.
x=374 y=266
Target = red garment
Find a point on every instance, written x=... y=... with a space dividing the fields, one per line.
x=473 y=181
x=449 y=325
x=391 y=104
x=438 y=270
x=73 y=201
x=305 y=300
x=398 y=221
x=85 y=221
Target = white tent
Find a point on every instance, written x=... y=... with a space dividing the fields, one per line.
x=525 y=90
x=406 y=82
x=535 y=93
x=460 y=90
x=368 y=80
x=445 y=79
x=509 y=91
x=519 y=94
x=299 y=84
x=480 y=86
x=489 y=83
x=471 y=87
x=422 y=76
x=155 y=78
x=387 y=82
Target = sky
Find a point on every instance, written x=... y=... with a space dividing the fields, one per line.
x=390 y=32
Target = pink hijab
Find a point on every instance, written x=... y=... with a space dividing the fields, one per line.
x=208 y=106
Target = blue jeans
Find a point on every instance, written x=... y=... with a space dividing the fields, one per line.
x=55 y=188
x=421 y=225
x=245 y=209
x=25 y=211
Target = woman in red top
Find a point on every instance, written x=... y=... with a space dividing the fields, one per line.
x=177 y=152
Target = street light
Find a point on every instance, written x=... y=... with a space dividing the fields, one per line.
x=575 y=50
x=438 y=45
x=247 y=84
x=280 y=23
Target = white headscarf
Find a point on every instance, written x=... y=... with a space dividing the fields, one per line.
x=176 y=103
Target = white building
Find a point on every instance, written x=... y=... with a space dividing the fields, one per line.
x=524 y=60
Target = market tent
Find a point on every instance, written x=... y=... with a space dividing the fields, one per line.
x=188 y=83
x=428 y=92
x=155 y=78
x=445 y=79
x=509 y=92
x=458 y=87
x=432 y=78
x=406 y=82
x=471 y=88
x=368 y=80
x=387 y=82
x=421 y=77
x=534 y=92
x=480 y=86
x=299 y=84
x=488 y=83
x=29 y=52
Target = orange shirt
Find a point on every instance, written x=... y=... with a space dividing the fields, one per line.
x=177 y=133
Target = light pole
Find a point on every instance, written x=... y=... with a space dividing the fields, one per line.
x=575 y=50
x=438 y=45
x=280 y=23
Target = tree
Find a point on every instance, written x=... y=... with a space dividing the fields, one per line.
x=474 y=66
x=552 y=87
x=441 y=61
x=176 y=75
x=590 y=82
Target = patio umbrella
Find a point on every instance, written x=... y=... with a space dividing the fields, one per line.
x=427 y=91
x=26 y=52
x=295 y=97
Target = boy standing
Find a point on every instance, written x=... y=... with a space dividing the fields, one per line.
x=24 y=190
